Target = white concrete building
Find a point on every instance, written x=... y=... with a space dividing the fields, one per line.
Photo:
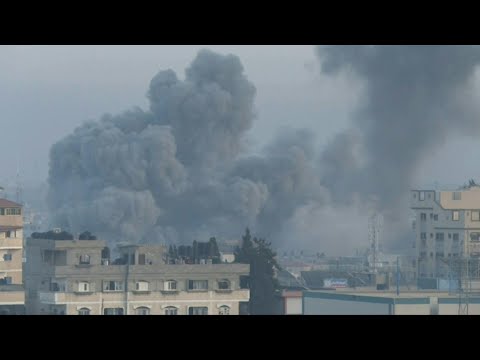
x=447 y=225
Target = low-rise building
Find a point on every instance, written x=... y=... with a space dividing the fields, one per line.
x=372 y=302
x=77 y=277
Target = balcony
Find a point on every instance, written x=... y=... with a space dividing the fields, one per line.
x=11 y=243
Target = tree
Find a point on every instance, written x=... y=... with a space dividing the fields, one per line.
x=263 y=284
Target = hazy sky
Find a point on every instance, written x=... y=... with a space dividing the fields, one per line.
x=46 y=91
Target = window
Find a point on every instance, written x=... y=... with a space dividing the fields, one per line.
x=455 y=237
x=423 y=217
x=84 y=259
x=197 y=285
x=84 y=311
x=423 y=236
x=2 y=211
x=198 y=311
x=224 y=310
x=244 y=282
x=475 y=236
x=83 y=286
x=476 y=215
x=435 y=217
x=455 y=215
x=431 y=235
x=113 y=286
x=170 y=285
x=439 y=236
x=8 y=234
x=113 y=311
x=8 y=280
x=449 y=235
x=143 y=310
x=13 y=211
x=223 y=284
x=422 y=195
x=171 y=310
x=457 y=196
x=141 y=286
x=7 y=257
x=141 y=259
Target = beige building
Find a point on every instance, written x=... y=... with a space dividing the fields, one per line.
x=447 y=226
x=11 y=258
x=77 y=277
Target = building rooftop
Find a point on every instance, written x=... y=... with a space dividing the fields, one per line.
x=372 y=292
x=7 y=203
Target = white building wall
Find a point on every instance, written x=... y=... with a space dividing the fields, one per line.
x=293 y=306
x=412 y=309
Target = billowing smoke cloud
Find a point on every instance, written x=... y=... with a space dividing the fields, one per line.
x=414 y=98
x=178 y=171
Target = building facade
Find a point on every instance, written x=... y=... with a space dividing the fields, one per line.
x=77 y=277
x=11 y=242
x=447 y=226
x=11 y=258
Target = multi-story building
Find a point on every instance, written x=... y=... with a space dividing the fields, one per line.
x=77 y=277
x=447 y=226
x=11 y=258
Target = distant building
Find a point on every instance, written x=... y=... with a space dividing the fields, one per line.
x=447 y=226
x=11 y=258
x=77 y=277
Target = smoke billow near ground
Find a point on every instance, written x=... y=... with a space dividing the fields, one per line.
x=181 y=170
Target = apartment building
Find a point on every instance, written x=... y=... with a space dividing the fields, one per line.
x=447 y=226
x=77 y=277
x=11 y=258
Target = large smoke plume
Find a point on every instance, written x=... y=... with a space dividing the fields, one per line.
x=179 y=171
x=414 y=99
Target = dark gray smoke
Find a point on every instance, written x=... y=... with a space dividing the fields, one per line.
x=415 y=97
x=178 y=172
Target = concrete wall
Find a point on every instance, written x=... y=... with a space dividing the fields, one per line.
x=412 y=309
x=11 y=220
x=293 y=306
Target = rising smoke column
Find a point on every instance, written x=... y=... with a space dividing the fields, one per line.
x=415 y=97
x=413 y=101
